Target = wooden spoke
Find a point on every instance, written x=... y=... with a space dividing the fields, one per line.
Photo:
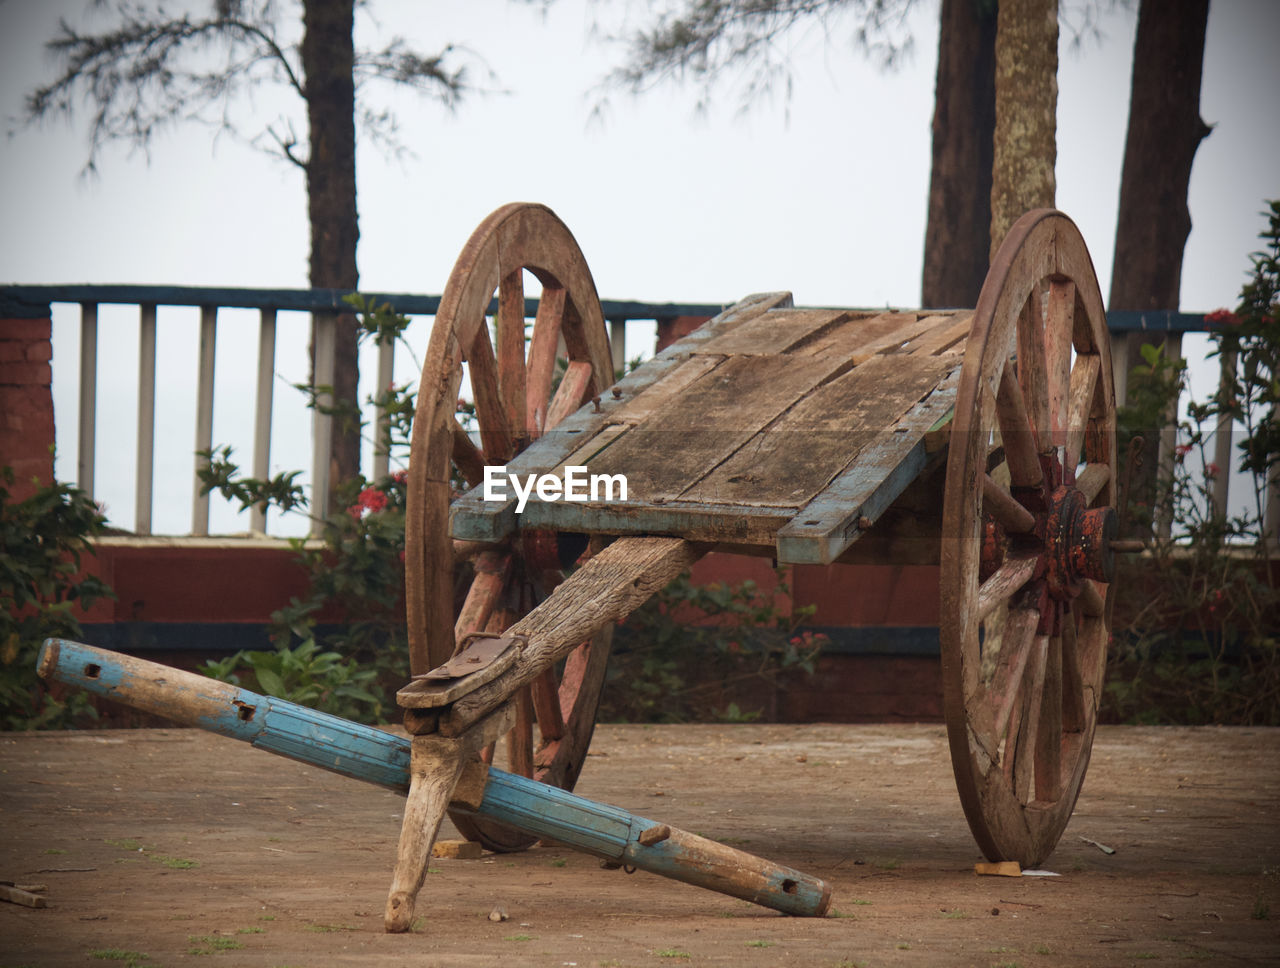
x=492 y=569
x=1092 y=601
x=1025 y=738
x=1005 y=688
x=1073 y=714
x=573 y=386
x=546 y=704
x=1059 y=329
x=1084 y=386
x=495 y=433
x=520 y=738
x=542 y=358
x=1092 y=480
x=467 y=457
x=1002 y=506
x=510 y=335
x=1048 y=745
x=1000 y=587
x=1033 y=372
x=512 y=393
x=1020 y=445
x=1022 y=670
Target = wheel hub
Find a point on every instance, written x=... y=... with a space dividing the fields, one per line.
x=1077 y=543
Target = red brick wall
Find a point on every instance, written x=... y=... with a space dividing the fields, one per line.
x=26 y=402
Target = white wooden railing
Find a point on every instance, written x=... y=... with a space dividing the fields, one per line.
x=322 y=305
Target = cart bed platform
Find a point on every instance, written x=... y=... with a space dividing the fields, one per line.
x=787 y=429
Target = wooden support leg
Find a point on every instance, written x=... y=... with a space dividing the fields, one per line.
x=436 y=763
x=433 y=773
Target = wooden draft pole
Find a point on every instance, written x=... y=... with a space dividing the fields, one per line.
x=365 y=753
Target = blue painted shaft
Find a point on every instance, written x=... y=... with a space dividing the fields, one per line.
x=271 y=724
x=370 y=754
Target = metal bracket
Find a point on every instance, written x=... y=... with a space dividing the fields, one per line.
x=480 y=658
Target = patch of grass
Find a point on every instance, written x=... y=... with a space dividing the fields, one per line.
x=55 y=850
x=1003 y=951
x=903 y=946
x=518 y=937
x=886 y=864
x=253 y=930
x=760 y=944
x=1007 y=964
x=560 y=862
x=672 y=953
x=266 y=917
x=848 y=963
x=858 y=900
x=330 y=928
x=211 y=944
x=124 y=844
x=1042 y=949
x=417 y=924
x=119 y=954
x=1261 y=909
x=175 y=863
x=847 y=915
x=955 y=915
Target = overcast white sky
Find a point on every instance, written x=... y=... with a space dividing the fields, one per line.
x=824 y=195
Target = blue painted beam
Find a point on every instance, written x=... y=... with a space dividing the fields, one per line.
x=370 y=754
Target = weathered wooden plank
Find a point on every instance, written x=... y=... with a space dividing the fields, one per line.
x=854 y=333
x=775 y=332
x=946 y=336
x=693 y=431
x=642 y=404
x=756 y=526
x=574 y=431
x=607 y=588
x=834 y=519
x=800 y=452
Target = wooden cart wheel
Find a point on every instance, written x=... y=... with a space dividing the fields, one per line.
x=1026 y=558
x=514 y=403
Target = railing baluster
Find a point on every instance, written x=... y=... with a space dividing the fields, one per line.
x=88 y=395
x=386 y=370
x=1271 y=516
x=618 y=344
x=146 y=417
x=1168 y=438
x=324 y=328
x=1222 y=438
x=204 y=414
x=262 y=414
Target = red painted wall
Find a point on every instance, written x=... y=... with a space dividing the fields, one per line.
x=26 y=402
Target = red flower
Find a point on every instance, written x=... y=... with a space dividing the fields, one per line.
x=1211 y=470
x=1222 y=317
x=1182 y=450
x=400 y=476
x=371 y=499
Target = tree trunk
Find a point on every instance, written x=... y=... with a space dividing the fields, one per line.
x=1153 y=223
x=957 y=235
x=1164 y=131
x=1025 y=148
x=328 y=56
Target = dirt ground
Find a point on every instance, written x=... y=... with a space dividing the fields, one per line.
x=185 y=848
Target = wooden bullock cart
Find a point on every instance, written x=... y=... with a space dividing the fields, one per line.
x=803 y=435
x=791 y=433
